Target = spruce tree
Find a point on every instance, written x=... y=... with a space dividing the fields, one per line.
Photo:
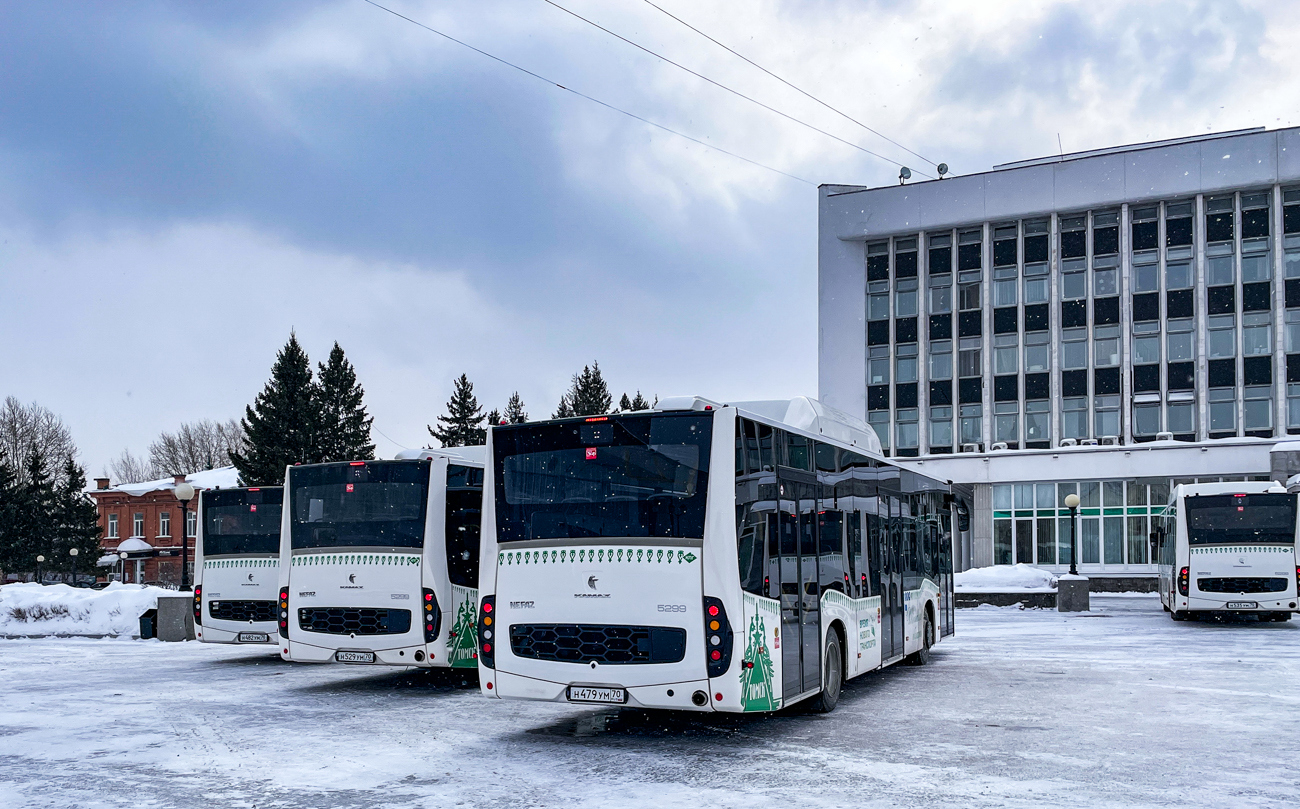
x=589 y=395
x=33 y=526
x=515 y=413
x=564 y=410
x=624 y=404
x=344 y=431
x=639 y=402
x=462 y=426
x=9 y=560
x=493 y=417
x=282 y=423
x=76 y=519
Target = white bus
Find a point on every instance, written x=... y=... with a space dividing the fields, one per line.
x=701 y=556
x=237 y=564
x=382 y=560
x=1229 y=549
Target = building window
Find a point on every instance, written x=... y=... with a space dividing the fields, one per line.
x=1257 y=408
x=1038 y=421
x=1106 y=346
x=1037 y=352
x=1005 y=248
x=969 y=248
x=1037 y=283
x=941 y=359
x=1223 y=410
x=1074 y=237
x=137 y=524
x=1006 y=351
x=878 y=366
x=191 y=524
x=1254 y=216
x=1006 y=422
x=940 y=253
x=1105 y=281
x=1106 y=415
x=1074 y=417
x=972 y=428
x=1293 y=406
x=879 y=421
x=968 y=291
x=1218 y=219
x=878 y=301
x=940 y=294
x=941 y=427
x=1256 y=334
x=1146 y=277
x=1005 y=284
x=1105 y=233
x=112 y=526
x=1181 y=417
x=1219 y=271
x=1255 y=267
x=1222 y=336
x=1074 y=284
x=968 y=358
x=1292 y=330
x=1178 y=275
x=1181 y=341
x=905 y=264
x=908 y=436
x=905 y=298
x=1144 y=230
x=878 y=261
x=1146 y=418
x=164 y=524
x=1146 y=343
x=1178 y=224
x=905 y=364
x=1074 y=348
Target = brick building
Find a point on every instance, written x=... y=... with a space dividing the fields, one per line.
x=144 y=520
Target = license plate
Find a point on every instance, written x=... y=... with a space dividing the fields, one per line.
x=616 y=696
x=1242 y=605
x=253 y=637
x=355 y=657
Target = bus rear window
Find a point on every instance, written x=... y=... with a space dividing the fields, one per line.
x=238 y=521
x=1219 y=519
x=625 y=476
x=376 y=504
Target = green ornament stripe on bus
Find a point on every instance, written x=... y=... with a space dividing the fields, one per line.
x=463 y=650
x=584 y=555
x=758 y=675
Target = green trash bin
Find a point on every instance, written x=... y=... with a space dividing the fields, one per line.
x=149 y=624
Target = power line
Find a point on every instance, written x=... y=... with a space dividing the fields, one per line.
x=587 y=97
x=791 y=86
x=737 y=93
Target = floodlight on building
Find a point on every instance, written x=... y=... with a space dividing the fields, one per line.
x=904 y=174
x=942 y=168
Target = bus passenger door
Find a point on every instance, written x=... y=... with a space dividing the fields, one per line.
x=788 y=586
x=810 y=594
x=893 y=582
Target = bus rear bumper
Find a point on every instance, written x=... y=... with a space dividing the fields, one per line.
x=300 y=652
x=230 y=632
x=666 y=696
x=1238 y=604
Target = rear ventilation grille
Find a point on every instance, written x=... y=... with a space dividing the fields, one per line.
x=242 y=610
x=354 y=620
x=600 y=643
x=1242 y=585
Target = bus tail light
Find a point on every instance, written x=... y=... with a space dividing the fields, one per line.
x=487 y=633
x=284 y=612
x=1182 y=581
x=718 y=638
x=198 y=604
x=430 y=616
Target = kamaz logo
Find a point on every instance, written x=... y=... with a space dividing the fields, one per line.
x=352 y=579
x=250 y=576
x=591 y=582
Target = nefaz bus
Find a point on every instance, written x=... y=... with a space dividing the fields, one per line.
x=237 y=565
x=1229 y=549
x=382 y=560
x=702 y=556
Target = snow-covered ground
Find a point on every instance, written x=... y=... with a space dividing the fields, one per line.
x=57 y=609
x=1024 y=708
x=1004 y=578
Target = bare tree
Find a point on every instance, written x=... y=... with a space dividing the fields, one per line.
x=28 y=429
x=196 y=446
x=127 y=468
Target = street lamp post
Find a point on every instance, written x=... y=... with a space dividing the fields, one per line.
x=121 y=576
x=185 y=493
x=1072 y=503
x=73 y=553
x=39 y=559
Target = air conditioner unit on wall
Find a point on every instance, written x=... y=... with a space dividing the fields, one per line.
x=1164 y=436
x=1110 y=441
x=970 y=447
x=1069 y=442
x=1088 y=442
x=999 y=446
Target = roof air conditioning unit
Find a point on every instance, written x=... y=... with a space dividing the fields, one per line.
x=1069 y=442
x=1088 y=442
x=970 y=447
x=999 y=446
x=1164 y=436
x=1110 y=441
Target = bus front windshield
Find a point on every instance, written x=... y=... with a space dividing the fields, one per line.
x=241 y=521
x=371 y=504
x=1219 y=519
x=615 y=476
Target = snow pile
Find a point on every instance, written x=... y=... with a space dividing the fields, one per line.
x=57 y=609
x=1004 y=578
x=224 y=477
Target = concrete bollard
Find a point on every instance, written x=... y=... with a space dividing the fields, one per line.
x=175 y=618
x=1072 y=594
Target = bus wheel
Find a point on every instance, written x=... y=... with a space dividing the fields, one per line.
x=832 y=675
x=922 y=655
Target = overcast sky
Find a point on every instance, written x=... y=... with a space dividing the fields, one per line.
x=183 y=184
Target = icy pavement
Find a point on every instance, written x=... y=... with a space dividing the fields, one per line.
x=1120 y=707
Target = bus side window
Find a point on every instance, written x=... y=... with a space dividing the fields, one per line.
x=750 y=551
x=831 y=550
x=857 y=565
x=765 y=447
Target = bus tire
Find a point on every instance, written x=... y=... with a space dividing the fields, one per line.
x=922 y=655
x=832 y=675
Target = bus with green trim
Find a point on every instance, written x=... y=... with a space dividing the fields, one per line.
x=380 y=560
x=706 y=556
x=237 y=564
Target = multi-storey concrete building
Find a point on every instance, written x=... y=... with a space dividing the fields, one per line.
x=1106 y=322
